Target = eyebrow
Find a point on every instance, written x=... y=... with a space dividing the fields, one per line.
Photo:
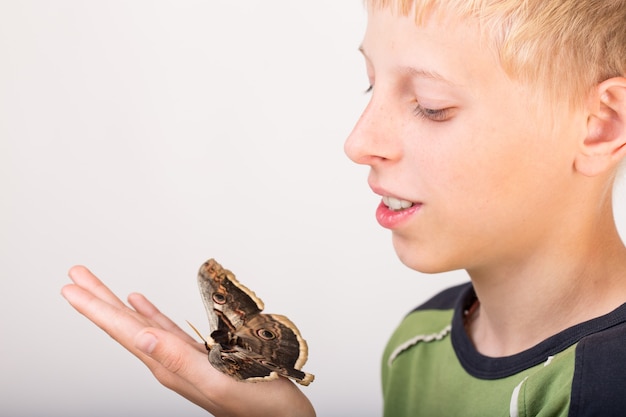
x=417 y=72
x=421 y=73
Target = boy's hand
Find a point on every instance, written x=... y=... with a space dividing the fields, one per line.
x=175 y=358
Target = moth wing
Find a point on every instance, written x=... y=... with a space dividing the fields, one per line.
x=249 y=366
x=277 y=341
x=240 y=364
x=226 y=298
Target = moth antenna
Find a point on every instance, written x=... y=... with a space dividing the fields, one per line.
x=206 y=343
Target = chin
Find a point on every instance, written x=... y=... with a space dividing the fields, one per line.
x=422 y=259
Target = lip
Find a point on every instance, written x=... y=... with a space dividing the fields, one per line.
x=388 y=218
x=391 y=219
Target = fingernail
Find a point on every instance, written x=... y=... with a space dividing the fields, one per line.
x=146 y=343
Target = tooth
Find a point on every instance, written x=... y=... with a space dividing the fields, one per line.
x=395 y=203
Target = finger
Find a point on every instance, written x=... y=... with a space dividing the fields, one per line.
x=144 y=307
x=120 y=323
x=84 y=278
x=123 y=325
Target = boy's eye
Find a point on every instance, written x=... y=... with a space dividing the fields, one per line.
x=436 y=115
x=369 y=89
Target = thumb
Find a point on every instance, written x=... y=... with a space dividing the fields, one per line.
x=184 y=369
x=169 y=351
x=146 y=341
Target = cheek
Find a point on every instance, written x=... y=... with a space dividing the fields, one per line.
x=455 y=163
x=476 y=171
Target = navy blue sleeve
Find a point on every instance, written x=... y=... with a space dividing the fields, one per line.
x=599 y=385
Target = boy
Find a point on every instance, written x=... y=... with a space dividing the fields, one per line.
x=494 y=133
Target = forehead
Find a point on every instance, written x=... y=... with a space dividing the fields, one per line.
x=447 y=46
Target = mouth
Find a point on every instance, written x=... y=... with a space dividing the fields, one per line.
x=397 y=204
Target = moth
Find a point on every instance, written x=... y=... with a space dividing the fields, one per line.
x=245 y=343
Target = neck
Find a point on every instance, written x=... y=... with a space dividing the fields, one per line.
x=523 y=303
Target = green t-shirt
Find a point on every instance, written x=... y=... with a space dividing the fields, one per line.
x=430 y=368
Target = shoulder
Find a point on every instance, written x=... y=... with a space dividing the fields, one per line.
x=436 y=313
x=429 y=322
x=599 y=383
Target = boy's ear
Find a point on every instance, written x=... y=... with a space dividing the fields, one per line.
x=605 y=143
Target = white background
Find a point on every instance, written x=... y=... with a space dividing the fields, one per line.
x=142 y=137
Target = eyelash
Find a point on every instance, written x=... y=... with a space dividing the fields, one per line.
x=435 y=115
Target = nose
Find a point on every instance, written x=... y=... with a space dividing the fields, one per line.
x=372 y=139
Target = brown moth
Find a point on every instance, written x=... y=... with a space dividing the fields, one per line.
x=245 y=343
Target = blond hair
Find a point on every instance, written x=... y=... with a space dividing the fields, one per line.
x=564 y=47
